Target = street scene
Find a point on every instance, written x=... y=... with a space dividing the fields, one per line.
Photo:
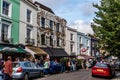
x=59 y=40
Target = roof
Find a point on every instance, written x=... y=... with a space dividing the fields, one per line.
x=29 y=2
x=44 y=7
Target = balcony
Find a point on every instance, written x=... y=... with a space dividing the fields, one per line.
x=6 y=40
x=30 y=41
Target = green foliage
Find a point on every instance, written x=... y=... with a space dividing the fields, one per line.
x=106 y=25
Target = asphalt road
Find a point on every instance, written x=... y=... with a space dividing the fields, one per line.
x=77 y=75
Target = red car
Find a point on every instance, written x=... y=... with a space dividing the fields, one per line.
x=103 y=69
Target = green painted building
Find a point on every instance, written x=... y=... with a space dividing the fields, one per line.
x=9 y=21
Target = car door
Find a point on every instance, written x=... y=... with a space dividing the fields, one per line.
x=29 y=68
x=36 y=69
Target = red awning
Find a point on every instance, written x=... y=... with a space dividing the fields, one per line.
x=83 y=56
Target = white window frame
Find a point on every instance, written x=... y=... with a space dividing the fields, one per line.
x=30 y=16
x=9 y=29
x=87 y=42
x=10 y=9
x=80 y=39
x=31 y=35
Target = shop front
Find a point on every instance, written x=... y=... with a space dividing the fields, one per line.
x=12 y=50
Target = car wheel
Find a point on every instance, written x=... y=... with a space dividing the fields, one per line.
x=41 y=73
x=26 y=77
x=93 y=75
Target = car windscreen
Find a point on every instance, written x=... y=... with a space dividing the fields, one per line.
x=15 y=65
x=101 y=65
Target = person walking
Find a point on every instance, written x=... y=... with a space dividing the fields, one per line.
x=46 y=66
x=63 y=65
x=8 y=69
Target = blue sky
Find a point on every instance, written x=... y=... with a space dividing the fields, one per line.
x=78 y=13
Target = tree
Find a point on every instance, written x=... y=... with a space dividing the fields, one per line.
x=106 y=25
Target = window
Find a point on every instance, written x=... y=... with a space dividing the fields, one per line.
x=57 y=27
x=58 y=41
x=4 y=31
x=43 y=22
x=27 y=64
x=87 y=43
x=51 y=41
x=71 y=47
x=80 y=40
x=6 y=8
x=42 y=39
x=28 y=33
x=51 y=24
x=29 y=16
x=71 y=36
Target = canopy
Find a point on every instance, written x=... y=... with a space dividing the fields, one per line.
x=10 y=48
x=84 y=56
x=36 y=50
x=56 y=52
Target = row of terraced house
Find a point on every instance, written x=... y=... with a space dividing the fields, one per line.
x=31 y=27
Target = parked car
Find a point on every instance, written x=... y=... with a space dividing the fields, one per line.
x=1 y=75
x=54 y=67
x=117 y=65
x=26 y=69
x=103 y=69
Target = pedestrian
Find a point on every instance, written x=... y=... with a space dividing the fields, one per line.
x=8 y=69
x=68 y=65
x=84 y=64
x=63 y=64
x=87 y=64
x=17 y=59
x=46 y=66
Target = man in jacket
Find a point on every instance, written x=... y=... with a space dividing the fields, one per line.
x=8 y=69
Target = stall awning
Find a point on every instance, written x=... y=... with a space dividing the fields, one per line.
x=37 y=50
x=56 y=52
x=10 y=48
x=30 y=51
x=47 y=51
x=84 y=56
x=59 y=52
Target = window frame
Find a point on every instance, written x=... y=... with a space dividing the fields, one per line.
x=9 y=29
x=31 y=28
x=43 y=39
x=30 y=17
x=9 y=10
x=42 y=22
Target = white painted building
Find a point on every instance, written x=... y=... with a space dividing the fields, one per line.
x=71 y=41
x=28 y=23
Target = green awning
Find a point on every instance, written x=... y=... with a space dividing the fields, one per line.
x=11 y=49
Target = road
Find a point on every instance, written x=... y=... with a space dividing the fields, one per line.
x=77 y=75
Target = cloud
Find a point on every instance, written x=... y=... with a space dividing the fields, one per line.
x=78 y=13
x=82 y=26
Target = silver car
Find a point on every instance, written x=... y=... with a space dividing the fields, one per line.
x=25 y=70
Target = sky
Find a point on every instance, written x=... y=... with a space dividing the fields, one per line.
x=78 y=13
